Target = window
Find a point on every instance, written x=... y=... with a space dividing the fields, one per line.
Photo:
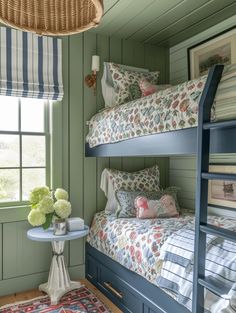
x=24 y=148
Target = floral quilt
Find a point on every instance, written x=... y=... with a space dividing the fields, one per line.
x=170 y=109
x=137 y=243
x=134 y=243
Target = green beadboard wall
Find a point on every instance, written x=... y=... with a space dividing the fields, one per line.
x=183 y=169
x=23 y=263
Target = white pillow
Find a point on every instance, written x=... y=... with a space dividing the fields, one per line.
x=108 y=85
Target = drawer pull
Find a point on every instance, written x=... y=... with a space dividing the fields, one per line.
x=117 y=293
x=90 y=276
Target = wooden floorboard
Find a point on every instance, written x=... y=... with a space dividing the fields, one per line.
x=27 y=295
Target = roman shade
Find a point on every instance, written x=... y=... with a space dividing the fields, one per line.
x=30 y=65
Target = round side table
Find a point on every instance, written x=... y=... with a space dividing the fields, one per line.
x=59 y=281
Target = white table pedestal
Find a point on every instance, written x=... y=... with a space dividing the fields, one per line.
x=59 y=282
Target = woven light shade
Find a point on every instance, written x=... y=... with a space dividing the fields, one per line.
x=51 y=17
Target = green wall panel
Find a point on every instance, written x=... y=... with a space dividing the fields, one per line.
x=90 y=108
x=0 y=251
x=75 y=138
x=22 y=256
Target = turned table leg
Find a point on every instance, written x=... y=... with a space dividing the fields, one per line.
x=59 y=282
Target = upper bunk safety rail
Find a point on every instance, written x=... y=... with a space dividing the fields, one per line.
x=209 y=92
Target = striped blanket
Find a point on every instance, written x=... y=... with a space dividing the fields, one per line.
x=177 y=255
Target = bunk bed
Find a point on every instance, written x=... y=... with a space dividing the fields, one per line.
x=127 y=289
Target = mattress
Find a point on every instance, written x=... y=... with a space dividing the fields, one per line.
x=153 y=248
x=168 y=110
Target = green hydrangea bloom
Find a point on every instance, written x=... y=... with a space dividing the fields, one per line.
x=61 y=194
x=37 y=194
x=62 y=208
x=45 y=206
x=36 y=218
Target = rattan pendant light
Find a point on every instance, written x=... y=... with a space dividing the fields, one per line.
x=51 y=17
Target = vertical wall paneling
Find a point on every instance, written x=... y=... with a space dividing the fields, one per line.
x=76 y=139
x=132 y=54
x=116 y=56
x=90 y=176
x=183 y=169
x=22 y=256
x=103 y=50
x=1 y=254
x=65 y=112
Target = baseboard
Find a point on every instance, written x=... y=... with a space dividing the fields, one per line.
x=28 y=282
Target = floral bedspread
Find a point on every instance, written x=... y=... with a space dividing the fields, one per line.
x=132 y=242
x=137 y=244
x=171 y=109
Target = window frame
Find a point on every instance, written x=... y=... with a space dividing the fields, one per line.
x=47 y=134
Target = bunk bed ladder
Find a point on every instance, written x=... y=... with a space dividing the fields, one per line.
x=201 y=227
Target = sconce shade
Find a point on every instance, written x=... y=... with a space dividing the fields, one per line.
x=95 y=63
x=47 y=17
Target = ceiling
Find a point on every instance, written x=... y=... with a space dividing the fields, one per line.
x=162 y=22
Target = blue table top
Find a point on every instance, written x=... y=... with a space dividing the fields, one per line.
x=39 y=234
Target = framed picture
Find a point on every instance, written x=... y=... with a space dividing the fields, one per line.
x=220 y=49
x=221 y=192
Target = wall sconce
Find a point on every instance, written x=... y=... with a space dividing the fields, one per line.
x=91 y=79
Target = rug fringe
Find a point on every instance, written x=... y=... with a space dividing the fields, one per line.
x=22 y=302
x=26 y=301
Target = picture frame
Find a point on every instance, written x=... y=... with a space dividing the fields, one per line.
x=220 y=49
x=222 y=193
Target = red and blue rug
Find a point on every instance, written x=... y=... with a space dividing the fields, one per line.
x=81 y=300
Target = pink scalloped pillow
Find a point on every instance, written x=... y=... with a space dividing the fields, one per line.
x=147 y=88
x=164 y=207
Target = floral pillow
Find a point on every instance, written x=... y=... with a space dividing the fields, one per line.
x=126 y=201
x=113 y=180
x=146 y=88
x=126 y=83
x=164 y=206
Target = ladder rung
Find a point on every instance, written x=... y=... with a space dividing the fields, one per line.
x=219 y=176
x=221 y=207
x=218 y=231
x=225 y=124
x=215 y=286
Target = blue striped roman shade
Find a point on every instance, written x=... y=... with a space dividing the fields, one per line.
x=30 y=65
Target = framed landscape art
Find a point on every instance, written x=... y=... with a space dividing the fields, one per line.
x=220 y=49
x=221 y=192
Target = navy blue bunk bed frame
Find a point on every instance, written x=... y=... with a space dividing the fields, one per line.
x=128 y=290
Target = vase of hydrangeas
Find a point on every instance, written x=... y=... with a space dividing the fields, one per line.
x=49 y=207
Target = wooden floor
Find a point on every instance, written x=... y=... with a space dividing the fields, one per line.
x=23 y=296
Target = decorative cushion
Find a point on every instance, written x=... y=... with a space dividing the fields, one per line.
x=165 y=206
x=124 y=79
x=147 y=88
x=126 y=201
x=112 y=180
x=107 y=84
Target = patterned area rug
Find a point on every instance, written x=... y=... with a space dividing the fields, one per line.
x=81 y=300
